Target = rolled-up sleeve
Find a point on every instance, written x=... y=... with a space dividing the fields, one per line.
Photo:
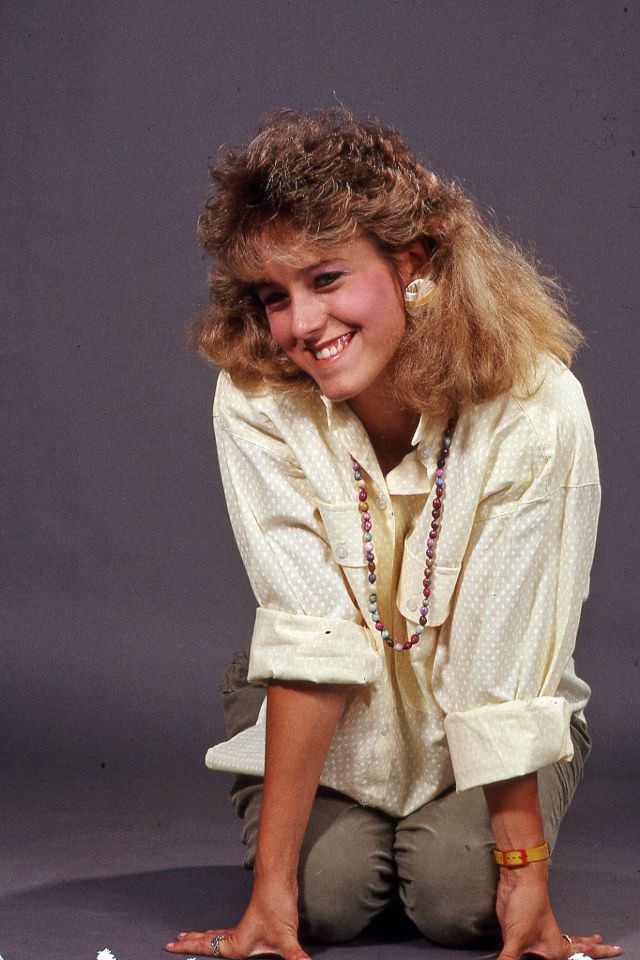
x=307 y=626
x=502 y=654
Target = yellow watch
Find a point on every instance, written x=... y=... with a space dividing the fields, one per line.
x=521 y=857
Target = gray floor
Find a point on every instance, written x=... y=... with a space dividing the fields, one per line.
x=100 y=858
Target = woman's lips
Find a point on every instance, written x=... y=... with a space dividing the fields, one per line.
x=333 y=350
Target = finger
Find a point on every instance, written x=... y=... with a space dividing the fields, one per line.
x=198 y=943
x=594 y=947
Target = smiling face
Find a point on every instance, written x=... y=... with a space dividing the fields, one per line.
x=339 y=313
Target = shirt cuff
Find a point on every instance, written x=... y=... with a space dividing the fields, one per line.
x=507 y=740
x=287 y=646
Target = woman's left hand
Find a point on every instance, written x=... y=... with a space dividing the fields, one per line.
x=528 y=923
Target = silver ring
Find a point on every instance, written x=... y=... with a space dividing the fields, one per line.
x=216 y=940
x=567 y=938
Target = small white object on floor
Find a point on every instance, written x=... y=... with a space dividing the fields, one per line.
x=105 y=954
x=579 y=956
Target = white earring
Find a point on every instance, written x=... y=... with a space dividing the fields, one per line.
x=417 y=293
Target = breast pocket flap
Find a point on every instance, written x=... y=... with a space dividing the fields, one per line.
x=410 y=587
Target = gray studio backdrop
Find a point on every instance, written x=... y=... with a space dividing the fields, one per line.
x=123 y=594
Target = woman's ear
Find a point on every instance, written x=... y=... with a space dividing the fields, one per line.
x=413 y=261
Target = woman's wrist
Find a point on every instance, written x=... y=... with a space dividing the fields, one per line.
x=537 y=873
x=276 y=870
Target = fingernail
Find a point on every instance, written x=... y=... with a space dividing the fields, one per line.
x=172 y=944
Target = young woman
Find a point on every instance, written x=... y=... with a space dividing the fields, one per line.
x=411 y=477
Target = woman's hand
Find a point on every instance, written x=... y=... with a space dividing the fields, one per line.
x=268 y=925
x=528 y=923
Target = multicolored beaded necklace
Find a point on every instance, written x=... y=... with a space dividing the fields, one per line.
x=430 y=558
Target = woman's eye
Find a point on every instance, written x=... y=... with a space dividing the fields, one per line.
x=326 y=279
x=272 y=298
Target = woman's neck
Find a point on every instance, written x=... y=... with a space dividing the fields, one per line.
x=390 y=427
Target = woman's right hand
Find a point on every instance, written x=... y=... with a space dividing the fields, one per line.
x=268 y=925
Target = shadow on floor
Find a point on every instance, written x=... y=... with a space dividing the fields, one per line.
x=134 y=915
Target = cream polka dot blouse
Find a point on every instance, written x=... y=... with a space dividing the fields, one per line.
x=489 y=690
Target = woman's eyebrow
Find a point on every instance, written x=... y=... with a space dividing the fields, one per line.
x=306 y=268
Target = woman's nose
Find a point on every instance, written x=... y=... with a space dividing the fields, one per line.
x=307 y=316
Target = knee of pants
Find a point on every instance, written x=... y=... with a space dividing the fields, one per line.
x=449 y=890
x=345 y=879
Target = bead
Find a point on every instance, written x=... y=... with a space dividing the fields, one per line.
x=433 y=533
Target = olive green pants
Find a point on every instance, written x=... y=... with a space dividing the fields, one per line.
x=436 y=864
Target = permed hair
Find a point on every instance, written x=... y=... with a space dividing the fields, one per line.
x=322 y=179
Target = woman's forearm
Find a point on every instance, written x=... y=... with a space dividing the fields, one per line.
x=515 y=814
x=301 y=719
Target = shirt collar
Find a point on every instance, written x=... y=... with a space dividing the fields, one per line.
x=343 y=422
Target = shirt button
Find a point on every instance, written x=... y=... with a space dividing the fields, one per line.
x=382 y=502
x=424 y=452
x=342 y=551
x=412 y=605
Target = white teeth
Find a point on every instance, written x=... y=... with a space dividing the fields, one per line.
x=334 y=349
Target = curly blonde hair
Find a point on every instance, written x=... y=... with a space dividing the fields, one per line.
x=322 y=179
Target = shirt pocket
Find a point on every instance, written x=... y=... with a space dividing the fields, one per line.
x=341 y=522
x=414 y=668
